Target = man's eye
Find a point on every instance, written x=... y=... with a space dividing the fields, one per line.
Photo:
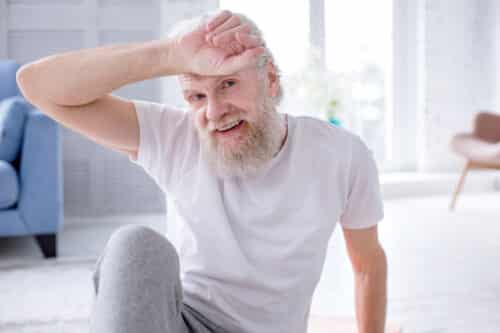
x=228 y=83
x=196 y=97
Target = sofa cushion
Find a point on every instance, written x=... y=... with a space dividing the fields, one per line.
x=8 y=83
x=9 y=185
x=13 y=112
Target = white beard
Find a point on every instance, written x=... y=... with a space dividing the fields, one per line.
x=263 y=140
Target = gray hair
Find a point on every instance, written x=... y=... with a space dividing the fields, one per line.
x=192 y=23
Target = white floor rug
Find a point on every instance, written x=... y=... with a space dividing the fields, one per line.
x=55 y=296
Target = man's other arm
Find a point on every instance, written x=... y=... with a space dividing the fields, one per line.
x=369 y=264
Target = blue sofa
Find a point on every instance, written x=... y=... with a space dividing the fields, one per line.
x=31 y=183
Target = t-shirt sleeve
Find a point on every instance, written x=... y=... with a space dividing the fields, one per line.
x=364 y=206
x=164 y=141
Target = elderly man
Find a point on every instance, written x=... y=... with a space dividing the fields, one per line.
x=258 y=192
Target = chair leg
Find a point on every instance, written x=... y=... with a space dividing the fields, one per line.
x=459 y=185
x=48 y=244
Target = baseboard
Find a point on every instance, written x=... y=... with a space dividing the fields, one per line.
x=395 y=185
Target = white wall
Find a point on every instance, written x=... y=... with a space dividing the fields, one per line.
x=407 y=67
x=97 y=181
x=495 y=37
x=458 y=63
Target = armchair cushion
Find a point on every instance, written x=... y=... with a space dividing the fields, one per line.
x=13 y=112
x=9 y=185
x=8 y=83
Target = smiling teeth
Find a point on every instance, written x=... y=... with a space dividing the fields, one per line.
x=229 y=126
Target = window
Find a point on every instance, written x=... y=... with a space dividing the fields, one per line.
x=358 y=43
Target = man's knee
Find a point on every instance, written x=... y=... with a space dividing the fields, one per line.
x=137 y=238
x=137 y=244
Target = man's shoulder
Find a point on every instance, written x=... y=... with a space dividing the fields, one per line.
x=323 y=133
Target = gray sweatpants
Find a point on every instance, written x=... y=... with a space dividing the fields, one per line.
x=138 y=289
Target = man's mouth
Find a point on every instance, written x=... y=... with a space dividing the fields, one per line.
x=231 y=126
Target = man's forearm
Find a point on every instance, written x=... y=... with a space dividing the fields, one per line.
x=82 y=76
x=371 y=298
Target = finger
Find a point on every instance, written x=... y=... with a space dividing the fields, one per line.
x=217 y=20
x=234 y=48
x=242 y=61
x=248 y=41
x=232 y=22
x=229 y=35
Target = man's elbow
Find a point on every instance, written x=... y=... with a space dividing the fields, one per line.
x=25 y=81
x=375 y=264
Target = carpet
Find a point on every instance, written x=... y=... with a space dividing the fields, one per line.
x=56 y=296
x=47 y=296
x=326 y=324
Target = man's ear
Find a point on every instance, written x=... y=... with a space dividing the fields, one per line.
x=272 y=79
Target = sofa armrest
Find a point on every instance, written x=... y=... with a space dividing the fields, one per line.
x=41 y=201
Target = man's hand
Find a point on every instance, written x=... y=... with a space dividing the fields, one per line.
x=222 y=46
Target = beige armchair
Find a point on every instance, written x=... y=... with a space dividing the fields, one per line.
x=481 y=148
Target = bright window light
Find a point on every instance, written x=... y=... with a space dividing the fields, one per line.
x=358 y=42
x=357 y=32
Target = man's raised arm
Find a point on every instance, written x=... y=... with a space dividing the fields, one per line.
x=74 y=87
x=82 y=76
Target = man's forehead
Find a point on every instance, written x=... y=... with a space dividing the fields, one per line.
x=190 y=78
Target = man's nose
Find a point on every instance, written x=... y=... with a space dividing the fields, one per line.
x=215 y=109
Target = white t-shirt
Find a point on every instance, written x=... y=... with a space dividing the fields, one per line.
x=252 y=251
